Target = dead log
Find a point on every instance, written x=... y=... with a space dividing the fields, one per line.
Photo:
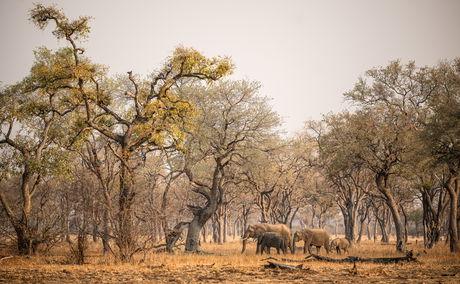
x=272 y=264
x=328 y=259
x=385 y=260
x=286 y=259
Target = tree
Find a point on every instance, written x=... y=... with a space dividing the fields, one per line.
x=98 y=159
x=347 y=175
x=441 y=136
x=233 y=121
x=385 y=127
x=138 y=116
x=32 y=121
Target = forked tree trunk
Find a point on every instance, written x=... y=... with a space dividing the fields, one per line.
x=200 y=217
x=192 y=243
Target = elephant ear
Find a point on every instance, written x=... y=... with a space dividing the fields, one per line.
x=302 y=235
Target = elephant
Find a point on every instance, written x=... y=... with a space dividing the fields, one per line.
x=340 y=244
x=312 y=237
x=256 y=230
x=271 y=239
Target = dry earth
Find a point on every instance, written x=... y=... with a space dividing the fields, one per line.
x=229 y=266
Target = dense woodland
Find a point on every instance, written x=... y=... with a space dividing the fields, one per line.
x=126 y=160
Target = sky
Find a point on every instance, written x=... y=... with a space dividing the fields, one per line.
x=305 y=54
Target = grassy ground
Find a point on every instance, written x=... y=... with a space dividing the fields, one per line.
x=228 y=265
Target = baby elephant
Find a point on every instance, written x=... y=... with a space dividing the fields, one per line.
x=340 y=244
x=271 y=239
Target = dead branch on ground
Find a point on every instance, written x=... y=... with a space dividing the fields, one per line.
x=409 y=257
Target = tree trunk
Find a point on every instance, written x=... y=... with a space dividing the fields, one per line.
x=196 y=225
x=405 y=224
x=385 y=238
x=215 y=234
x=95 y=231
x=453 y=189
x=25 y=241
x=432 y=216
x=375 y=230
x=204 y=233
x=381 y=182
x=106 y=231
x=125 y=239
x=369 y=220
x=225 y=224
x=200 y=217
x=349 y=220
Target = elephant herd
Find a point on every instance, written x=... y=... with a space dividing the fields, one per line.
x=279 y=236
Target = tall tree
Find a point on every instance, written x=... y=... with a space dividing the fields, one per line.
x=442 y=137
x=392 y=109
x=234 y=120
x=137 y=115
x=32 y=121
x=345 y=173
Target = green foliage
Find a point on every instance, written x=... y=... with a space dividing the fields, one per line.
x=189 y=62
x=441 y=134
x=40 y=16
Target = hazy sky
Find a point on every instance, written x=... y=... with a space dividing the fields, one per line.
x=306 y=54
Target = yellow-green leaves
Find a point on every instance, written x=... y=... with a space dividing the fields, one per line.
x=189 y=62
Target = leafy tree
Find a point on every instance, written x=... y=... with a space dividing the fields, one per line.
x=441 y=136
x=33 y=125
x=392 y=110
x=139 y=116
x=345 y=173
x=233 y=121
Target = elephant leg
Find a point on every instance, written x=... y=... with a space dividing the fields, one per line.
x=278 y=250
x=305 y=248
x=318 y=249
x=258 y=248
x=309 y=249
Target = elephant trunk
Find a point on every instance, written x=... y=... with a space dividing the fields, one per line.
x=244 y=244
x=245 y=238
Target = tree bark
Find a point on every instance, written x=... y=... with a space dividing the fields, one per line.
x=125 y=240
x=381 y=182
x=192 y=243
x=453 y=189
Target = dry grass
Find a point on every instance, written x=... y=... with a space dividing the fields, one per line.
x=228 y=265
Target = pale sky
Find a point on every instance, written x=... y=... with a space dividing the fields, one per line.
x=306 y=54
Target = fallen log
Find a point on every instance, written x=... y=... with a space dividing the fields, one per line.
x=272 y=264
x=409 y=257
x=286 y=259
